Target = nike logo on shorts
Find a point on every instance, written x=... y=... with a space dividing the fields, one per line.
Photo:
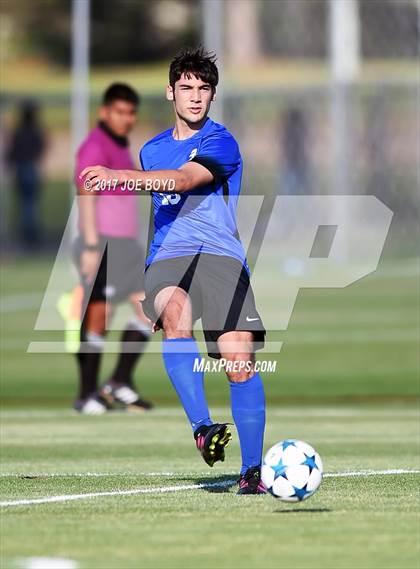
x=248 y=319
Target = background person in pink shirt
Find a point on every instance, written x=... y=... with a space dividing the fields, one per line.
x=107 y=254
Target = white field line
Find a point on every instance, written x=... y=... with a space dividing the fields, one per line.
x=157 y=490
x=370 y=472
x=46 y=563
x=184 y=487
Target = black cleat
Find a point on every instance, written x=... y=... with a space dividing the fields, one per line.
x=250 y=482
x=211 y=442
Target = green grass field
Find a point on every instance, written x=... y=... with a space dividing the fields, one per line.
x=346 y=382
x=365 y=521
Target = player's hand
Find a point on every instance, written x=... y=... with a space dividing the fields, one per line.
x=89 y=262
x=95 y=174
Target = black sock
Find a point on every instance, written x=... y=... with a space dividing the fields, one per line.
x=89 y=359
x=123 y=372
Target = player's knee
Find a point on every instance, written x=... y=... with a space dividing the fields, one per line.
x=176 y=316
x=239 y=377
x=172 y=314
x=239 y=367
x=174 y=324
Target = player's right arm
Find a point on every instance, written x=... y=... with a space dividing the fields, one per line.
x=218 y=157
x=186 y=178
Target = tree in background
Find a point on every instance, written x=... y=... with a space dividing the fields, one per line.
x=122 y=31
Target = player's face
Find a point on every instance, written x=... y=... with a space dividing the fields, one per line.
x=119 y=116
x=192 y=98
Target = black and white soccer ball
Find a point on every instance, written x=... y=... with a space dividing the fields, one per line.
x=292 y=470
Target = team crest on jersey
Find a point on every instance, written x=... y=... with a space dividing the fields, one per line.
x=193 y=153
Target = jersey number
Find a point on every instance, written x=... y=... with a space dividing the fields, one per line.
x=170 y=199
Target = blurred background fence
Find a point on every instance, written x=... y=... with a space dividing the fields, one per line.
x=278 y=87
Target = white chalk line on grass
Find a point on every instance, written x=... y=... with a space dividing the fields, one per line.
x=184 y=487
x=370 y=473
x=157 y=490
x=46 y=563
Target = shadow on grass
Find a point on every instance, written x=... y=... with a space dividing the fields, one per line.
x=216 y=485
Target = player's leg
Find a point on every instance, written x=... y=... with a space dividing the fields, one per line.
x=233 y=330
x=181 y=354
x=92 y=337
x=134 y=338
x=137 y=332
x=247 y=403
x=181 y=357
x=173 y=304
x=168 y=304
x=94 y=313
x=69 y=306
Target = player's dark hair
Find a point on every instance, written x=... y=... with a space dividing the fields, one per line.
x=120 y=92
x=194 y=61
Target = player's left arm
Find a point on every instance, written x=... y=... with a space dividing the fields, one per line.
x=189 y=176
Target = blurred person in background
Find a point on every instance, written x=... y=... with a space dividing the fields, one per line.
x=26 y=148
x=376 y=153
x=296 y=175
x=108 y=255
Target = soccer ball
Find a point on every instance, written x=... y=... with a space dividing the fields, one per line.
x=292 y=471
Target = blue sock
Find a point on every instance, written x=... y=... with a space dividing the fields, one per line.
x=179 y=355
x=248 y=412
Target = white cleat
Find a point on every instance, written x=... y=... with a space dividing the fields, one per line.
x=90 y=406
x=124 y=394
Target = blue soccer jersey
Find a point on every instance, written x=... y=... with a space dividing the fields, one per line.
x=204 y=219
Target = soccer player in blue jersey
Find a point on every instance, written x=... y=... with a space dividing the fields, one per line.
x=196 y=267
